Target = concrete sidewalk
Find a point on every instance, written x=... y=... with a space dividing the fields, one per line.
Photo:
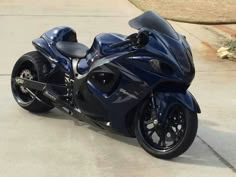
x=215 y=89
x=52 y=145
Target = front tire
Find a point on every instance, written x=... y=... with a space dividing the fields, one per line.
x=166 y=140
x=32 y=66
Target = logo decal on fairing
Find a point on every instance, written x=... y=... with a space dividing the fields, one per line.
x=128 y=96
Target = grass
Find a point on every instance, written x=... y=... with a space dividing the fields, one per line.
x=232 y=45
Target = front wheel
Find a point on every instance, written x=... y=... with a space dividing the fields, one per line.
x=167 y=139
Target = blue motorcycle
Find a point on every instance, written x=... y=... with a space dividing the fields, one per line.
x=136 y=84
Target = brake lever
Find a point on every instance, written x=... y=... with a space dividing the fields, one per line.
x=137 y=39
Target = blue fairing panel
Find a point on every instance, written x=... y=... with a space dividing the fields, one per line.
x=51 y=53
x=41 y=45
x=128 y=93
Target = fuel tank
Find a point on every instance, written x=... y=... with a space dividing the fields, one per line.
x=101 y=46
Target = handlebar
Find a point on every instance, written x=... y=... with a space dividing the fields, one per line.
x=120 y=44
x=137 y=39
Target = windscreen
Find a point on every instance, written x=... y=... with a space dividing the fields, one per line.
x=153 y=21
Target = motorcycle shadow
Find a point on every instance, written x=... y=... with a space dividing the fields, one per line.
x=57 y=114
x=200 y=153
x=207 y=151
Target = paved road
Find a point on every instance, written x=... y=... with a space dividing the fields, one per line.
x=52 y=145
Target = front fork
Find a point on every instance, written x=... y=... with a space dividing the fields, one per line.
x=162 y=103
x=156 y=114
x=160 y=109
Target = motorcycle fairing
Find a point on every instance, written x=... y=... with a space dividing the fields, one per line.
x=168 y=41
x=114 y=103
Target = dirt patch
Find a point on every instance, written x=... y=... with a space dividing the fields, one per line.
x=206 y=44
x=193 y=11
x=225 y=29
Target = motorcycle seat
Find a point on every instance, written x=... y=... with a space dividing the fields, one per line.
x=72 y=49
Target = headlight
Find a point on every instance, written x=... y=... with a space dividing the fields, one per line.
x=161 y=67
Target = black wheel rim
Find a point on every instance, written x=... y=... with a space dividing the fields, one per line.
x=26 y=70
x=163 y=136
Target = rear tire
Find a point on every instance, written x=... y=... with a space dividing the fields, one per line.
x=182 y=140
x=33 y=66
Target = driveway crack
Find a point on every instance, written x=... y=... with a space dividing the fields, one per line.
x=222 y=159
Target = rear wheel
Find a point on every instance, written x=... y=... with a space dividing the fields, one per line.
x=31 y=66
x=166 y=139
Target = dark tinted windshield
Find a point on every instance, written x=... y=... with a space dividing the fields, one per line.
x=153 y=21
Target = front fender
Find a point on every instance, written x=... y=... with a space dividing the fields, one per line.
x=167 y=99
